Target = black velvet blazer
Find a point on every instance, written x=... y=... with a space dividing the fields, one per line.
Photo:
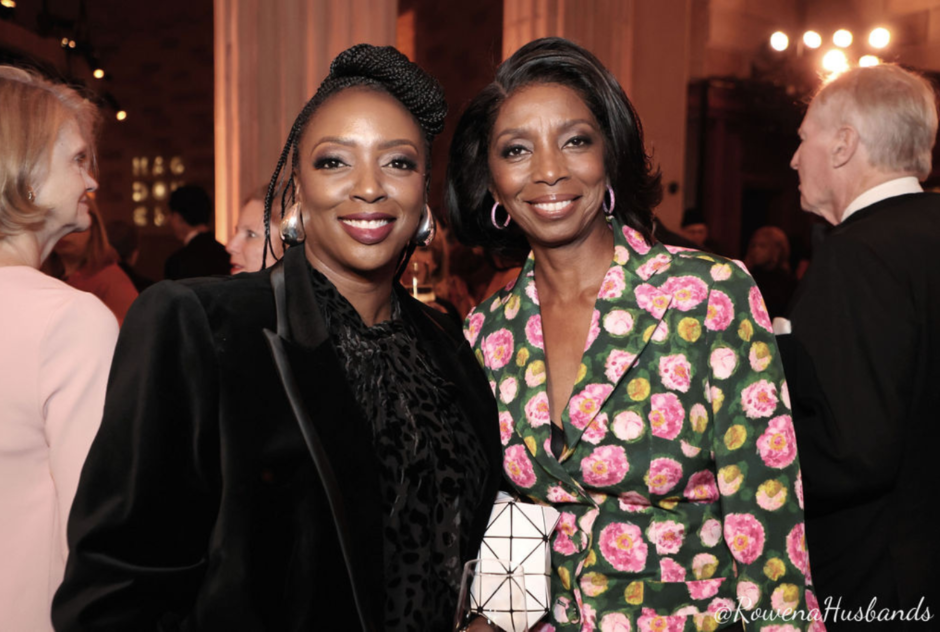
x=200 y=506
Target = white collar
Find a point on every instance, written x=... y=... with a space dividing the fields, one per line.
x=885 y=190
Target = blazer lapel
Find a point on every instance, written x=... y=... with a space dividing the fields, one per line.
x=628 y=314
x=336 y=433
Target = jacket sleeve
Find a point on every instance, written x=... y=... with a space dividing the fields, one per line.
x=855 y=330
x=755 y=449
x=149 y=492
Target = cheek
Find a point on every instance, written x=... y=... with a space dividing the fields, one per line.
x=410 y=195
x=591 y=169
x=322 y=193
x=506 y=180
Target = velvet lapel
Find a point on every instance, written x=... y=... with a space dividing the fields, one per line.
x=337 y=435
x=454 y=359
x=629 y=308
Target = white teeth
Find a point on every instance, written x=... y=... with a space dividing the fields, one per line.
x=551 y=207
x=366 y=223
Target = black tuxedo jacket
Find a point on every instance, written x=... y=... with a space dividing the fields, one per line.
x=202 y=256
x=200 y=507
x=863 y=366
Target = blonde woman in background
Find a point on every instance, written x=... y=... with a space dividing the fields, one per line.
x=246 y=247
x=55 y=342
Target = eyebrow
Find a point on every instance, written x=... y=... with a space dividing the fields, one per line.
x=348 y=142
x=516 y=131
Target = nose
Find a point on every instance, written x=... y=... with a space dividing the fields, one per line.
x=368 y=186
x=232 y=246
x=795 y=161
x=550 y=166
x=90 y=183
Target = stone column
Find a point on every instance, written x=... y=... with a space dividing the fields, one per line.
x=269 y=59
x=646 y=45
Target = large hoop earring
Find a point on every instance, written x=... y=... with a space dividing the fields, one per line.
x=493 y=218
x=426 y=230
x=609 y=210
x=292 y=224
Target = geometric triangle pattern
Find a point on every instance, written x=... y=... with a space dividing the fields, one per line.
x=518 y=535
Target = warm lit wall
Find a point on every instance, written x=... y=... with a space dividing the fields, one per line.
x=459 y=44
x=269 y=59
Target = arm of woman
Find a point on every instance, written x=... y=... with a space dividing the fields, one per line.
x=148 y=495
x=76 y=352
x=756 y=459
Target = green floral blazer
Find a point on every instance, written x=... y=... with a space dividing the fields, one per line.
x=680 y=486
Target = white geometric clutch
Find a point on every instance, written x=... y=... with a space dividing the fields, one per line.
x=520 y=532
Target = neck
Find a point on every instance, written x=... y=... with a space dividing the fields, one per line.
x=576 y=269
x=370 y=296
x=864 y=182
x=27 y=249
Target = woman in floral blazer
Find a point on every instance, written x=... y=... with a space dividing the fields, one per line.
x=666 y=442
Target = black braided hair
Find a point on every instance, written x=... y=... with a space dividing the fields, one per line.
x=381 y=68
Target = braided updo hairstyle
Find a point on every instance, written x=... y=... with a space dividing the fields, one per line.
x=381 y=68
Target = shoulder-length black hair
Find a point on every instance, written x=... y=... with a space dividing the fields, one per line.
x=635 y=182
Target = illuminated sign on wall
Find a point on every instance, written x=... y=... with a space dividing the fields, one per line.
x=154 y=180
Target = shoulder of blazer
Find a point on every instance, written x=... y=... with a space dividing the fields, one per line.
x=243 y=300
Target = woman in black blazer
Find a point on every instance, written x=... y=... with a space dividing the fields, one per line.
x=306 y=447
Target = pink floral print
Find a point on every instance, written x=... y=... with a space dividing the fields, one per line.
x=666 y=416
x=712 y=507
x=745 y=536
x=605 y=466
x=623 y=546
x=778 y=443
x=664 y=475
x=675 y=372
x=518 y=467
x=498 y=349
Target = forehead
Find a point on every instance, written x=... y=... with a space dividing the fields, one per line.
x=70 y=139
x=251 y=213
x=543 y=102
x=816 y=118
x=363 y=112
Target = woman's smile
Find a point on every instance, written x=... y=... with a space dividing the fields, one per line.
x=554 y=206
x=368 y=228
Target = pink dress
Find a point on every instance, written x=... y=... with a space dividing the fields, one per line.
x=55 y=352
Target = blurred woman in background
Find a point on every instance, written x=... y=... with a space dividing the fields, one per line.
x=247 y=246
x=768 y=260
x=86 y=261
x=55 y=342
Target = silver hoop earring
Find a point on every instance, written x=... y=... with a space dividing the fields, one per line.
x=292 y=225
x=30 y=195
x=609 y=210
x=493 y=218
x=426 y=230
